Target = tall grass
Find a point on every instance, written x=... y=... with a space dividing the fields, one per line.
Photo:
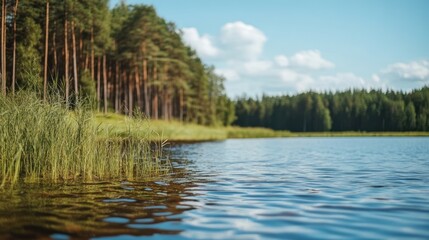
x=47 y=142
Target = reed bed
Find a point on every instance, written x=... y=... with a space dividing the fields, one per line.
x=47 y=142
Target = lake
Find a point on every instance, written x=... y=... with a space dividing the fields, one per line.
x=290 y=188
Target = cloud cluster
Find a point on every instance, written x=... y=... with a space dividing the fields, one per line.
x=308 y=59
x=414 y=71
x=237 y=52
x=202 y=44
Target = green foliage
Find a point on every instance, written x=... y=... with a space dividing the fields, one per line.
x=28 y=57
x=357 y=110
x=410 y=113
x=45 y=142
x=88 y=90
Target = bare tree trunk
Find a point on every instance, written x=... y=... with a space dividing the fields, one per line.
x=130 y=96
x=145 y=89
x=155 y=114
x=3 y=48
x=15 y=10
x=164 y=94
x=54 y=43
x=66 y=58
x=117 y=80
x=76 y=80
x=98 y=83
x=169 y=106
x=45 y=67
x=105 y=83
x=80 y=54
x=92 y=54
x=137 y=82
x=123 y=89
x=181 y=105
x=86 y=64
x=110 y=85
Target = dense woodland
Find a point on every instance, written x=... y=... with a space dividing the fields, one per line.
x=124 y=59
x=128 y=59
x=357 y=110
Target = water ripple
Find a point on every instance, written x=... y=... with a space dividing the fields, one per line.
x=297 y=188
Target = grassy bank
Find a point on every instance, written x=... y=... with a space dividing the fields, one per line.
x=47 y=142
x=185 y=132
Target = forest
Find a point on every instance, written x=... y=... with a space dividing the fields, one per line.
x=127 y=59
x=352 y=110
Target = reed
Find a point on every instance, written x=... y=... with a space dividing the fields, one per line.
x=47 y=142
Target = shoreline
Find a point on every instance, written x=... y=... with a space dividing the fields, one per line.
x=181 y=133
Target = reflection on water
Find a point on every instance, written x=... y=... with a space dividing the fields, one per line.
x=297 y=188
x=93 y=210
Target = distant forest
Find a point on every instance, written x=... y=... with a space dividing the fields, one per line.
x=128 y=59
x=357 y=110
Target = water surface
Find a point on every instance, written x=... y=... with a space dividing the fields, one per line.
x=293 y=188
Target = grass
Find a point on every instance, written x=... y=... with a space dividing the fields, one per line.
x=186 y=132
x=47 y=142
x=172 y=130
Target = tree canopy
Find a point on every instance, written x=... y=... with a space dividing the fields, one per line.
x=353 y=110
x=127 y=59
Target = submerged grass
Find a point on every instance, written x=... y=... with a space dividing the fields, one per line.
x=47 y=142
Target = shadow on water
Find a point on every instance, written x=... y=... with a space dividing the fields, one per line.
x=97 y=209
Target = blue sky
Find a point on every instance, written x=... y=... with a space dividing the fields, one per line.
x=281 y=46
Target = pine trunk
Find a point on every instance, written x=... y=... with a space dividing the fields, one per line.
x=117 y=80
x=130 y=96
x=54 y=46
x=80 y=54
x=66 y=59
x=155 y=114
x=181 y=105
x=3 y=48
x=137 y=82
x=15 y=10
x=45 y=67
x=145 y=89
x=92 y=54
x=105 y=83
x=76 y=80
x=98 y=83
x=164 y=94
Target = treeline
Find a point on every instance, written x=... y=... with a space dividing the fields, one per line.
x=124 y=59
x=357 y=110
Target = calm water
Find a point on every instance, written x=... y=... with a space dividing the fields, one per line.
x=296 y=188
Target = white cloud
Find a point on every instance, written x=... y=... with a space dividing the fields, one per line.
x=242 y=41
x=281 y=61
x=417 y=70
x=376 y=78
x=311 y=59
x=202 y=44
x=296 y=81
x=237 y=54
x=301 y=82
x=256 y=67
x=342 y=81
x=229 y=74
